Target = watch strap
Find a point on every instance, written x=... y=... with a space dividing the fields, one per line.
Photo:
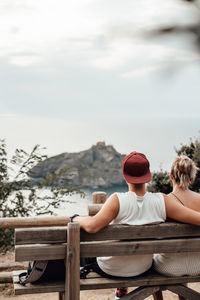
x=71 y=218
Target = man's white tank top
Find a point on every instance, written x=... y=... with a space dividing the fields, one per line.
x=134 y=210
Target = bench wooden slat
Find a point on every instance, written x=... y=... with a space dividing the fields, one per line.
x=95 y=282
x=36 y=288
x=119 y=248
x=6 y=277
x=40 y=235
x=151 y=278
x=40 y=252
x=111 y=232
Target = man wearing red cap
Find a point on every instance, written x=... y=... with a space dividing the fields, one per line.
x=135 y=207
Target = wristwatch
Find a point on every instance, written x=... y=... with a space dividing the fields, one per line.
x=71 y=218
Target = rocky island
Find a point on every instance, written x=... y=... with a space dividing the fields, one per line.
x=99 y=166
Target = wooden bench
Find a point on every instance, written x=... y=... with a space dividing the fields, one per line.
x=70 y=243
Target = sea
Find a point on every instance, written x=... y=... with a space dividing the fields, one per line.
x=75 y=204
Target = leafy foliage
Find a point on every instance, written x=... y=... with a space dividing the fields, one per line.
x=20 y=196
x=161 y=181
x=191 y=30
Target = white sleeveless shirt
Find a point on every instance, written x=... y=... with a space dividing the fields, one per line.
x=134 y=210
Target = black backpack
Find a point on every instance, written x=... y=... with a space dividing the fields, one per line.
x=43 y=271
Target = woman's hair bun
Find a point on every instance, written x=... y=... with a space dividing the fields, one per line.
x=183 y=171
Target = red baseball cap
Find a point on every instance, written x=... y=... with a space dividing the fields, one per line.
x=135 y=168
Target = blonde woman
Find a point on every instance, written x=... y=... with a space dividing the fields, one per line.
x=183 y=173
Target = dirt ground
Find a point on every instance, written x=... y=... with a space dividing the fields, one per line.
x=6 y=290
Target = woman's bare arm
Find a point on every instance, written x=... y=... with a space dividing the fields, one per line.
x=107 y=213
x=179 y=212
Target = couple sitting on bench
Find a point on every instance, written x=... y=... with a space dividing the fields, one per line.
x=138 y=207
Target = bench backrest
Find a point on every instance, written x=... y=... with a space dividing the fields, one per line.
x=50 y=243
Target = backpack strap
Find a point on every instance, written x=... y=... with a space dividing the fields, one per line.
x=34 y=272
x=84 y=271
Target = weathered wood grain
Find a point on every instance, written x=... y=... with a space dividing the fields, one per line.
x=98 y=197
x=41 y=235
x=184 y=291
x=61 y=296
x=97 y=282
x=40 y=252
x=111 y=232
x=119 y=248
x=93 y=209
x=26 y=222
x=12 y=266
x=53 y=287
x=6 y=277
x=169 y=237
x=149 y=279
x=72 y=283
x=141 y=293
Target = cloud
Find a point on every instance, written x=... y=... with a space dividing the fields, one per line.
x=173 y=59
x=25 y=60
x=142 y=72
x=82 y=31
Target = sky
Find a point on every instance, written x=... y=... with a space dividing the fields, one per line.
x=76 y=72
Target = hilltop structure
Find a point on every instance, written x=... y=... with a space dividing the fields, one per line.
x=99 y=166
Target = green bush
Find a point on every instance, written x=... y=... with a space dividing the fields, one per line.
x=160 y=183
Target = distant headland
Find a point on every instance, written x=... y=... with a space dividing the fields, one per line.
x=99 y=166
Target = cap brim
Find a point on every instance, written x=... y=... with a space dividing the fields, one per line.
x=142 y=179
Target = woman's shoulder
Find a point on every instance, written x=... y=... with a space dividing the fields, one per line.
x=195 y=194
x=193 y=200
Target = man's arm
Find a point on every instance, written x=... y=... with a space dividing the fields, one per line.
x=107 y=213
x=179 y=212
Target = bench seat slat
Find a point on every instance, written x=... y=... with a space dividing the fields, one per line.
x=36 y=288
x=96 y=282
x=111 y=232
x=119 y=248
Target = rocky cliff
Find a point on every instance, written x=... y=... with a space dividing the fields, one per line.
x=99 y=166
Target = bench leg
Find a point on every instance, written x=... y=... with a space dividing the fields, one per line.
x=158 y=296
x=141 y=293
x=184 y=292
x=72 y=283
x=181 y=298
x=61 y=296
